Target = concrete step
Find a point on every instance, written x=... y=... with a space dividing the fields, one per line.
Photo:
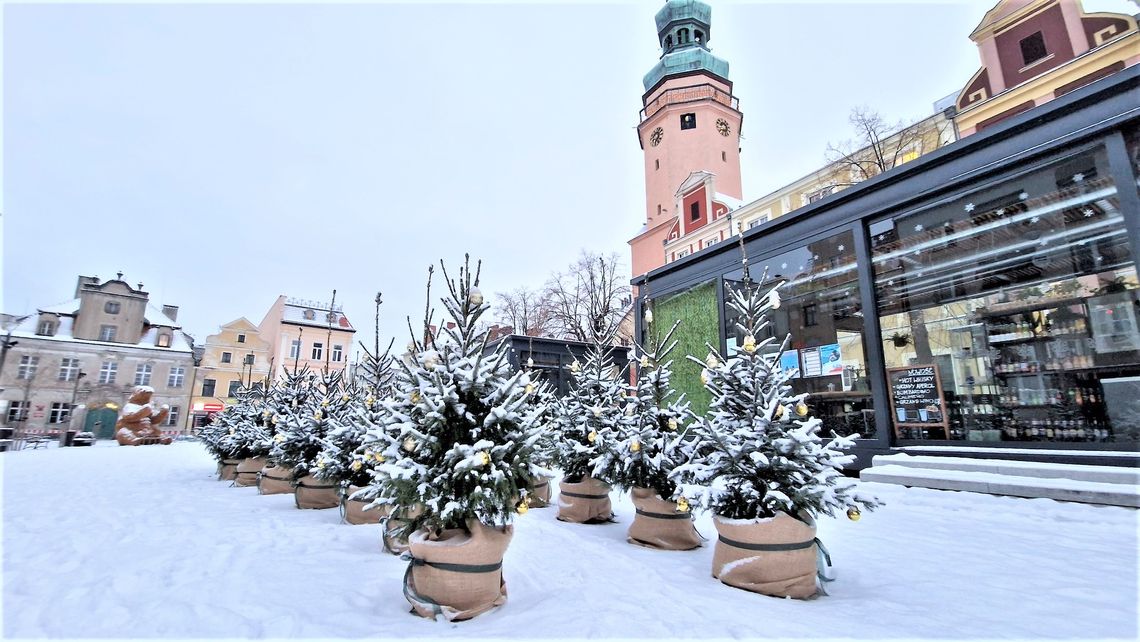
x=1060 y=489
x=1076 y=472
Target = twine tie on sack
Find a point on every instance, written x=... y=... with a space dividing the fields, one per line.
x=663 y=515
x=414 y=596
x=822 y=557
x=583 y=495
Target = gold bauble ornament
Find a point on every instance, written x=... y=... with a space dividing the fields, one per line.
x=853 y=514
x=484 y=458
x=344 y=397
x=634 y=446
x=672 y=424
x=415 y=397
x=592 y=437
x=644 y=361
x=749 y=343
x=522 y=508
x=704 y=377
x=530 y=388
x=475 y=296
x=575 y=367
x=317 y=415
x=801 y=409
x=711 y=361
x=356 y=465
x=325 y=403
x=279 y=438
x=321 y=464
x=683 y=505
x=369 y=401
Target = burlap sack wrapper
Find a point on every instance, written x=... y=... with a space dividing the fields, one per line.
x=658 y=524
x=227 y=469
x=587 y=502
x=247 y=471
x=352 y=510
x=747 y=560
x=311 y=492
x=275 y=480
x=539 y=494
x=457 y=575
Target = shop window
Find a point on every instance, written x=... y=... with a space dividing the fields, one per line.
x=822 y=312
x=1033 y=48
x=1016 y=305
x=688 y=121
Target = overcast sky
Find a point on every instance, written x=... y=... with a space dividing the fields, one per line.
x=225 y=154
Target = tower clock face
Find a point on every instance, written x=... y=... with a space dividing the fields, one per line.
x=723 y=127
x=656 y=136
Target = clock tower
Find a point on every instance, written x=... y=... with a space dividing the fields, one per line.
x=689 y=122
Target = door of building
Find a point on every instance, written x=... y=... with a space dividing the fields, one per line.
x=101 y=421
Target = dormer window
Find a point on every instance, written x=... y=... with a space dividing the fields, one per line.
x=163 y=340
x=112 y=307
x=688 y=121
x=46 y=328
x=1033 y=48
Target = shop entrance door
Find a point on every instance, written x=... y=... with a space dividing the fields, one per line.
x=101 y=422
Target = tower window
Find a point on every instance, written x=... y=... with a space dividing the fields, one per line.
x=688 y=121
x=695 y=211
x=683 y=36
x=724 y=156
x=657 y=163
x=698 y=36
x=1033 y=48
x=668 y=42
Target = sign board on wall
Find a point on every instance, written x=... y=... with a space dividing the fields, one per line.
x=916 y=396
x=790 y=362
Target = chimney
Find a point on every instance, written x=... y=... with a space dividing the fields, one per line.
x=170 y=311
x=85 y=280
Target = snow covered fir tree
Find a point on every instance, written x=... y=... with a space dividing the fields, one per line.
x=589 y=419
x=760 y=464
x=649 y=444
x=458 y=441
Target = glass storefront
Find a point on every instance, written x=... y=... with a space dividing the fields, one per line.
x=821 y=309
x=1009 y=312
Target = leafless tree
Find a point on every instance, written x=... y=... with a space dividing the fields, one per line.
x=588 y=299
x=877 y=146
x=525 y=310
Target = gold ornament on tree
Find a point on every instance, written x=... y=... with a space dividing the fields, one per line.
x=683 y=505
x=853 y=514
x=705 y=377
x=575 y=367
x=484 y=458
x=672 y=424
x=592 y=437
x=801 y=409
x=711 y=361
x=475 y=297
x=644 y=361
x=522 y=508
x=635 y=446
x=749 y=343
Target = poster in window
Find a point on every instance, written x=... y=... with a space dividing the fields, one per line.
x=916 y=396
x=790 y=363
x=812 y=366
x=831 y=359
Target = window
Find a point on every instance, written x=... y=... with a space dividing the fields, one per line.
x=108 y=371
x=1033 y=48
x=724 y=156
x=208 y=387
x=177 y=376
x=711 y=241
x=112 y=307
x=809 y=314
x=18 y=410
x=234 y=387
x=60 y=413
x=337 y=353
x=241 y=338
x=28 y=365
x=227 y=357
x=172 y=418
x=249 y=359
x=46 y=328
x=68 y=369
x=295 y=349
x=163 y=340
x=657 y=163
x=694 y=211
x=821 y=194
x=688 y=121
x=142 y=374
x=908 y=154
x=107 y=332
x=682 y=254
x=318 y=350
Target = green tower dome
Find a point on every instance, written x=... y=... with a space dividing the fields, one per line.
x=684 y=28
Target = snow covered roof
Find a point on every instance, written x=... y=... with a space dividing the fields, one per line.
x=155 y=316
x=315 y=317
x=67 y=307
x=731 y=202
x=179 y=342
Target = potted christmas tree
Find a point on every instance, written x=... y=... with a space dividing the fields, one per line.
x=457 y=444
x=287 y=400
x=650 y=444
x=342 y=459
x=588 y=419
x=300 y=439
x=761 y=466
x=213 y=435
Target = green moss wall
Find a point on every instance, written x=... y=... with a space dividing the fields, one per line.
x=696 y=308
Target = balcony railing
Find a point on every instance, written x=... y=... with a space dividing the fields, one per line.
x=688 y=94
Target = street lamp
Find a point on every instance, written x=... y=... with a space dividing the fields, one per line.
x=68 y=435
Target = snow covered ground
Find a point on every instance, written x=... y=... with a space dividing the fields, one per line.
x=145 y=543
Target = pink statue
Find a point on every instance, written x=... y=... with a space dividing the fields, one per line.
x=137 y=425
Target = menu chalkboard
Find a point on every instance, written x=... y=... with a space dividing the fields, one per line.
x=916 y=396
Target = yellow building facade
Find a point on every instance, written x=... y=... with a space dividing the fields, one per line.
x=235 y=357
